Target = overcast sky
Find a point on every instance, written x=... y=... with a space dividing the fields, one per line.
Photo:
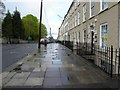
x=53 y=11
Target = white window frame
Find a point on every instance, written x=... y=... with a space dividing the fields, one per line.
x=78 y=18
x=73 y=23
x=75 y=20
x=92 y=1
x=78 y=2
x=75 y=3
x=83 y=36
x=101 y=33
x=84 y=12
x=68 y=26
x=105 y=2
x=76 y=37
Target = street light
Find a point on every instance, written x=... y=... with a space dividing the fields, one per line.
x=39 y=45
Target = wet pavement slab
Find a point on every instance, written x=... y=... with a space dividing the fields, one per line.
x=56 y=66
x=34 y=82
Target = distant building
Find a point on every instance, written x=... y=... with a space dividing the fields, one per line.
x=94 y=23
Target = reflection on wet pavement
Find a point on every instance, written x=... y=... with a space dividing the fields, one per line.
x=56 y=66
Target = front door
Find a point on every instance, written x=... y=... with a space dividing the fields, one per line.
x=92 y=41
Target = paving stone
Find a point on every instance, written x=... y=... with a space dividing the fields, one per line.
x=4 y=74
x=43 y=68
x=52 y=82
x=37 y=58
x=64 y=74
x=37 y=75
x=9 y=76
x=49 y=68
x=53 y=69
x=36 y=70
x=84 y=78
x=16 y=82
x=57 y=62
x=46 y=62
x=98 y=75
x=52 y=74
x=31 y=64
x=96 y=78
x=73 y=79
x=48 y=56
x=34 y=82
x=27 y=68
x=22 y=75
x=65 y=81
x=66 y=69
x=78 y=69
x=52 y=65
x=62 y=69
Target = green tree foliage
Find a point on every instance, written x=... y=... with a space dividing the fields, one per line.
x=30 y=23
x=43 y=31
x=27 y=28
x=17 y=26
x=31 y=26
x=7 y=27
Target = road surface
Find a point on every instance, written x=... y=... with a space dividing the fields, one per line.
x=13 y=52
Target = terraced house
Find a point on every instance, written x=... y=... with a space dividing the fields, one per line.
x=93 y=22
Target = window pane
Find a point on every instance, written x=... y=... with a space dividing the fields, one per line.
x=104 y=4
x=78 y=18
x=92 y=8
x=104 y=33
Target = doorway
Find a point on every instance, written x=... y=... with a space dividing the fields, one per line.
x=92 y=41
x=92 y=38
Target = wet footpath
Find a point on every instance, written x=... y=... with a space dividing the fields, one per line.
x=56 y=67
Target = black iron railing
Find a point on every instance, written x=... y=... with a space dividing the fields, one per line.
x=68 y=44
x=107 y=58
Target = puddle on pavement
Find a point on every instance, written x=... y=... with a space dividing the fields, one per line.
x=57 y=62
x=46 y=62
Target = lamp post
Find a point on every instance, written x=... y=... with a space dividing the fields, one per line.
x=39 y=45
